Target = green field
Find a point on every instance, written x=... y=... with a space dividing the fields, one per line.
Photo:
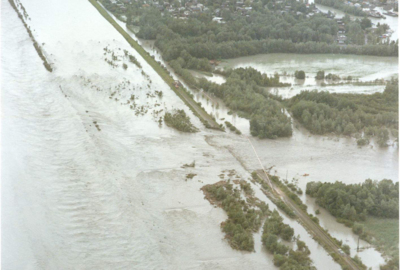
x=386 y=234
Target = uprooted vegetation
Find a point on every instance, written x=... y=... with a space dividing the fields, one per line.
x=180 y=121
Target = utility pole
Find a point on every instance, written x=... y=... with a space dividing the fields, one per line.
x=286 y=175
x=358 y=243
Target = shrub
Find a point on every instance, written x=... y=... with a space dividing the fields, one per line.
x=179 y=121
x=300 y=74
x=362 y=141
x=320 y=75
x=358 y=228
x=346 y=249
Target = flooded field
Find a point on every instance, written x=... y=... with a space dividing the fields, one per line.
x=114 y=198
x=92 y=179
x=363 y=68
x=324 y=158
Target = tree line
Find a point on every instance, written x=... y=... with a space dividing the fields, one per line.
x=267 y=117
x=355 y=202
x=348 y=114
x=262 y=32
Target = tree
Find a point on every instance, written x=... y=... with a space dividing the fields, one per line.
x=349 y=129
x=279 y=259
x=320 y=75
x=346 y=249
x=365 y=23
x=287 y=233
x=300 y=74
x=383 y=137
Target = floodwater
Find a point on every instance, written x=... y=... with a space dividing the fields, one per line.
x=115 y=195
x=363 y=68
x=324 y=158
x=76 y=197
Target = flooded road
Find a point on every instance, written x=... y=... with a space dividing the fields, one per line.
x=88 y=180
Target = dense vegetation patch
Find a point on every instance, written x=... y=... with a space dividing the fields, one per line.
x=300 y=74
x=244 y=216
x=284 y=257
x=180 y=121
x=354 y=202
x=366 y=208
x=243 y=92
x=267 y=118
x=348 y=114
x=265 y=30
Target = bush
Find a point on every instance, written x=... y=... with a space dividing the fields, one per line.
x=232 y=128
x=332 y=77
x=358 y=228
x=179 y=121
x=362 y=141
x=300 y=74
x=279 y=259
x=320 y=75
x=346 y=249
